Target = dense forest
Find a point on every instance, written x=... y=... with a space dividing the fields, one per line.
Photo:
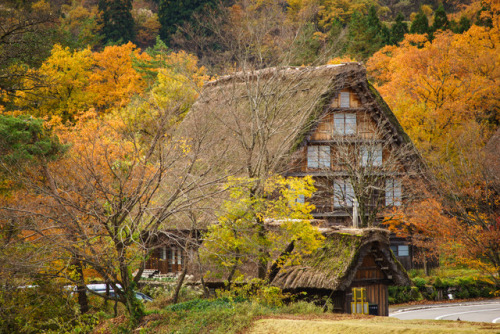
x=92 y=93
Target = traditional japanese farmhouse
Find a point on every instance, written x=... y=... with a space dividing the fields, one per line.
x=328 y=122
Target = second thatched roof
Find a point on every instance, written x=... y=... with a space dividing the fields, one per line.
x=334 y=266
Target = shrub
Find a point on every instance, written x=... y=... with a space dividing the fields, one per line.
x=42 y=308
x=419 y=283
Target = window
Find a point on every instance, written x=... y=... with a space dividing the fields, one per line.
x=175 y=262
x=400 y=250
x=344 y=124
x=345 y=99
x=371 y=155
x=343 y=193
x=403 y=250
x=301 y=199
x=393 y=192
x=318 y=156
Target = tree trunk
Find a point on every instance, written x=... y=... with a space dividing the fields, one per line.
x=275 y=268
x=206 y=293
x=262 y=269
x=83 y=300
x=179 y=284
x=426 y=267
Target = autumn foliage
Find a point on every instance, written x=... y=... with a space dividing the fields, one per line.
x=445 y=92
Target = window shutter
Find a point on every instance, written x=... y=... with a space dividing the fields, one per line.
x=389 y=194
x=324 y=156
x=338 y=193
x=377 y=159
x=349 y=190
x=350 y=124
x=312 y=157
x=343 y=193
x=365 y=155
x=393 y=194
x=371 y=155
x=339 y=123
x=345 y=99
x=397 y=193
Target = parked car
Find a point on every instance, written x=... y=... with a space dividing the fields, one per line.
x=101 y=289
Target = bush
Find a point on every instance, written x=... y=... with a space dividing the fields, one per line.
x=419 y=283
x=44 y=307
x=256 y=290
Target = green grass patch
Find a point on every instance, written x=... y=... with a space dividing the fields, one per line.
x=222 y=315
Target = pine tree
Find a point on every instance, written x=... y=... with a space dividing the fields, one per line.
x=366 y=34
x=420 y=24
x=463 y=25
x=440 y=19
x=399 y=29
x=173 y=13
x=117 y=21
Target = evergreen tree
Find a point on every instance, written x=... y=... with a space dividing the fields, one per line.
x=372 y=21
x=117 y=21
x=463 y=25
x=173 y=13
x=420 y=24
x=440 y=19
x=366 y=34
x=399 y=29
x=385 y=34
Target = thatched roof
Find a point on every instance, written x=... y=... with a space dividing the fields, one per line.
x=285 y=104
x=334 y=266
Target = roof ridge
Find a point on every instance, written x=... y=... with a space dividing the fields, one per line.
x=335 y=68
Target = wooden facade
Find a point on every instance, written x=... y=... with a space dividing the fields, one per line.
x=350 y=259
x=167 y=260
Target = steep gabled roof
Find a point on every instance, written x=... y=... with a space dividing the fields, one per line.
x=333 y=267
x=287 y=103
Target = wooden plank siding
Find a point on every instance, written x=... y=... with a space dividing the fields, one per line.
x=370 y=276
x=173 y=263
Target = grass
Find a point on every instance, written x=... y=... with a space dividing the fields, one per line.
x=221 y=315
x=367 y=325
x=239 y=315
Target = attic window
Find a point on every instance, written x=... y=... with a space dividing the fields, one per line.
x=318 y=156
x=371 y=155
x=345 y=99
x=392 y=192
x=344 y=124
x=343 y=193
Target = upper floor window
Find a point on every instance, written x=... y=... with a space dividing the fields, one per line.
x=318 y=156
x=345 y=99
x=393 y=192
x=371 y=155
x=344 y=124
x=343 y=193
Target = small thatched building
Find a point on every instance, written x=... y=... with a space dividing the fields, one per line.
x=350 y=258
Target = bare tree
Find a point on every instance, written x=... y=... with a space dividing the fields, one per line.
x=368 y=171
x=104 y=203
